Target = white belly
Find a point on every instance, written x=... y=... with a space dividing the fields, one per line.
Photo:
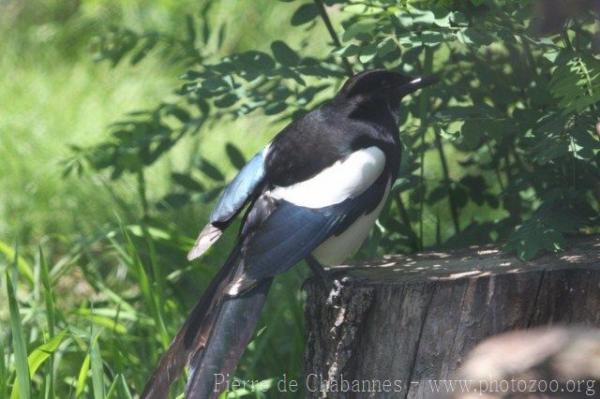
x=337 y=249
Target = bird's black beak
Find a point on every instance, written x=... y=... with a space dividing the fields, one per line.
x=418 y=83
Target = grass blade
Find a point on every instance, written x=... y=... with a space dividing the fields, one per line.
x=112 y=389
x=23 y=266
x=48 y=295
x=123 y=388
x=51 y=320
x=3 y=372
x=149 y=294
x=96 y=363
x=83 y=372
x=43 y=352
x=22 y=389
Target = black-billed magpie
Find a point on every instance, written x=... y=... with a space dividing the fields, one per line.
x=313 y=193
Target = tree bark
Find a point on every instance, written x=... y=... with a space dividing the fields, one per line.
x=393 y=327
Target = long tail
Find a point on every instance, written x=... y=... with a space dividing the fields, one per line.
x=212 y=339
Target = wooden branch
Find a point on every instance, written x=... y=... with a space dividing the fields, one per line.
x=332 y=33
x=410 y=320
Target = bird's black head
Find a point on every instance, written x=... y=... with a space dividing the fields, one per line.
x=382 y=87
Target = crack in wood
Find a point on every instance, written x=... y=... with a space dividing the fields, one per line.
x=418 y=344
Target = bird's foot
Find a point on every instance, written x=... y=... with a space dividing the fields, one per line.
x=326 y=281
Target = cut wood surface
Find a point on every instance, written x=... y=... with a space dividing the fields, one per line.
x=397 y=327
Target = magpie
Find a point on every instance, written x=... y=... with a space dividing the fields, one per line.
x=313 y=193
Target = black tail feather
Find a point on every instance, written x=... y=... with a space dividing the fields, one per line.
x=233 y=327
x=192 y=338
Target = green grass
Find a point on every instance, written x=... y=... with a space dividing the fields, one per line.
x=23 y=383
x=47 y=106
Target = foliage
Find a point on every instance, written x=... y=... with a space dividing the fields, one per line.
x=504 y=149
x=517 y=112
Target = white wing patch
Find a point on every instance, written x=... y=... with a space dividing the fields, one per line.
x=345 y=179
x=207 y=237
x=336 y=249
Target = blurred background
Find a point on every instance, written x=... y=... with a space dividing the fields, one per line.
x=121 y=121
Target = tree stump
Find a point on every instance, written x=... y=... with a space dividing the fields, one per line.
x=393 y=327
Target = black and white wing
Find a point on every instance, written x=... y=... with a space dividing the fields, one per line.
x=286 y=224
x=233 y=199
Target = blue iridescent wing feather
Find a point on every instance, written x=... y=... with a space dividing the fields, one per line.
x=237 y=193
x=233 y=199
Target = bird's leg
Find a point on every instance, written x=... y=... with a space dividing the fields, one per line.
x=319 y=271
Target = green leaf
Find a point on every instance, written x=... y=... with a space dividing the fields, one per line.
x=284 y=54
x=576 y=82
x=235 y=156
x=476 y=37
x=477 y=187
x=141 y=53
x=411 y=16
x=362 y=30
x=304 y=14
x=459 y=195
x=253 y=389
x=386 y=47
x=119 y=389
x=123 y=388
x=545 y=229
x=275 y=108
x=107 y=322
x=151 y=297
x=367 y=53
x=471 y=135
x=349 y=50
x=214 y=84
x=533 y=238
x=23 y=266
x=474 y=234
x=43 y=352
x=226 y=100
x=112 y=389
x=48 y=294
x=3 y=370
x=431 y=38
x=22 y=389
x=252 y=64
x=414 y=16
x=83 y=373
x=437 y=194
x=96 y=365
